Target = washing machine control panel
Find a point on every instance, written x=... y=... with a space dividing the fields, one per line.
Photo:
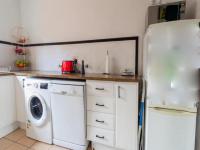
x=38 y=85
x=44 y=86
x=35 y=85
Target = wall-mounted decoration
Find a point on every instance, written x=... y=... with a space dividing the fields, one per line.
x=21 y=37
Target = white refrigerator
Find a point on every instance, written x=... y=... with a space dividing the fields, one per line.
x=171 y=67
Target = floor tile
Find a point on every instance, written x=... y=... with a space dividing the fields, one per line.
x=4 y=143
x=26 y=141
x=16 y=146
x=41 y=146
x=18 y=141
x=16 y=135
x=89 y=148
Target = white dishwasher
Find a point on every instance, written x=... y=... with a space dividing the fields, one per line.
x=68 y=106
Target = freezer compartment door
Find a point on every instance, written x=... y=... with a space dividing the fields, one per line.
x=170 y=129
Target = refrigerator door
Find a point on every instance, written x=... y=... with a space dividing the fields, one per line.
x=170 y=130
x=172 y=60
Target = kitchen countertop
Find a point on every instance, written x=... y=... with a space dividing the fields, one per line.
x=87 y=76
x=5 y=73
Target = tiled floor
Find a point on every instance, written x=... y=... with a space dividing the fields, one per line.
x=18 y=141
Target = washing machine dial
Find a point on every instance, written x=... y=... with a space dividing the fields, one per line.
x=35 y=85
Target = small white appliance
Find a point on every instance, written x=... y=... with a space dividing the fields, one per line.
x=38 y=110
x=69 y=114
x=171 y=69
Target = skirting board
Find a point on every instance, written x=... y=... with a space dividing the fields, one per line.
x=8 y=129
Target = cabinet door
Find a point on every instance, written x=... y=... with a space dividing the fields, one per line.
x=126 y=115
x=20 y=98
x=7 y=101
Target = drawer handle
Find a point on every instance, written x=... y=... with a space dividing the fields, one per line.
x=60 y=93
x=100 y=89
x=100 y=121
x=23 y=84
x=100 y=137
x=101 y=105
x=119 y=94
x=28 y=84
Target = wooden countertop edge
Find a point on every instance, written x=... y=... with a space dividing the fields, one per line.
x=6 y=74
x=98 y=77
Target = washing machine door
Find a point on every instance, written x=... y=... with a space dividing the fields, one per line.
x=37 y=110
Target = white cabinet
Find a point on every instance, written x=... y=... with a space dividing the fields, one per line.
x=101 y=120
x=101 y=104
x=20 y=98
x=126 y=115
x=100 y=88
x=7 y=105
x=101 y=135
x=101 y=112
x=112 y=115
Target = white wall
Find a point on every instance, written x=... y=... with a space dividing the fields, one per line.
x=121 y=56
x=65 y=20
x=9 y=19
x=191 y=9
x=7 y=55
x=198 y=9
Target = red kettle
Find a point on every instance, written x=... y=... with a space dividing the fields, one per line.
x=67 y=66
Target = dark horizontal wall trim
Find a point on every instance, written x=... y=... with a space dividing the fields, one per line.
x=137 y=56
x=84 y=41
x=133 y=38
x=8 y=43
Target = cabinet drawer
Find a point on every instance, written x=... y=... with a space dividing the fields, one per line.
x=97 y=146
x=100 y=88
x=105 y=105
x=101 y=120
x=102 y=136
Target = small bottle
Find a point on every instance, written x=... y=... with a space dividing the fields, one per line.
x=107 y=64
x=75 y=65
x=83 y=67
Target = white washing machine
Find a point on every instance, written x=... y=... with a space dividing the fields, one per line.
x=38 y=110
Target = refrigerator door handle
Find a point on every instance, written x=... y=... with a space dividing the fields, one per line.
x=172 y=111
